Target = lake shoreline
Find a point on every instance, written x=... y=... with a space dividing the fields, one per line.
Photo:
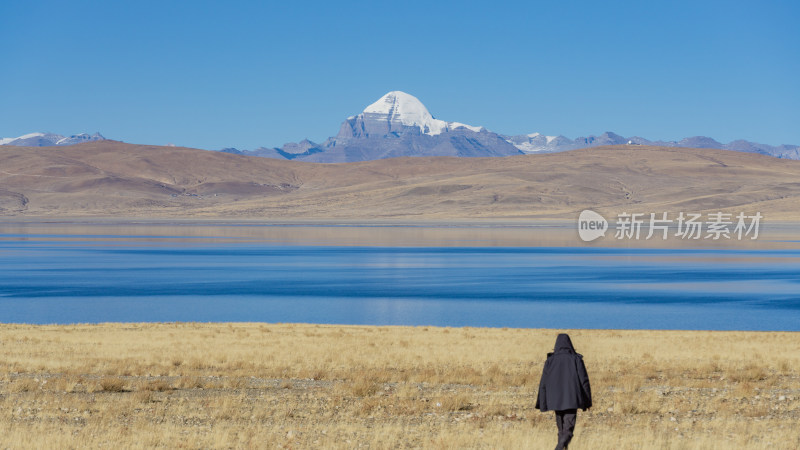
x=470 y=232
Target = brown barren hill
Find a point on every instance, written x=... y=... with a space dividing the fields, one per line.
x=114 y=179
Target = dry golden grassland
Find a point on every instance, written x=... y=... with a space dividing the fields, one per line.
x=313 y=386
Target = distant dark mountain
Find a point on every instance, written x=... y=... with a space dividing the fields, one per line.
x=289 y=151
x=781 y=151
x=300 y=150
x=699 y=142
x=50 y=139
x=607 y=138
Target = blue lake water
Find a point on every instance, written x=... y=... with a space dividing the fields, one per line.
x=89 y=279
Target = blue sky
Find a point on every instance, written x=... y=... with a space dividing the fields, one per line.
x=249 y=74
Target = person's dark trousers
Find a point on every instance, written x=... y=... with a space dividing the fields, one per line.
x=565 y=420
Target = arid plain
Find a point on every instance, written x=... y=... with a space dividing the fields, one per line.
x=113 y=179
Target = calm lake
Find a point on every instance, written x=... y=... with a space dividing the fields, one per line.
x=495 y=277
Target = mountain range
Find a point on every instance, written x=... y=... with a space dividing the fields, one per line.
x=398 y=124
x=538 y=143
x=50 y=139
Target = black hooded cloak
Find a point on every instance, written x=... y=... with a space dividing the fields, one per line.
x=565 y=383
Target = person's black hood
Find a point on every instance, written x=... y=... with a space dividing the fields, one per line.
x=564 y=384
x=563 y=344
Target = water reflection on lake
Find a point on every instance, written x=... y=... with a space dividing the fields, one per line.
x=537 y=275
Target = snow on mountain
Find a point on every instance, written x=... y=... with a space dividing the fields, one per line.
x=456 y=125
x=32 y=135
x=396 y=125
x=50 y=139
x=401 y=109
x=78 y=138
x=34 y=140
x=538 y=143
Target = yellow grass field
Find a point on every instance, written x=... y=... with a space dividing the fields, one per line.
x=191 y=385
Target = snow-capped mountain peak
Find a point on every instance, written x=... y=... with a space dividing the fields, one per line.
x=399 y=108
x=50 y=139
x=29 y=135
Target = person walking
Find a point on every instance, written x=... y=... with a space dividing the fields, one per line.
x=564 y=388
